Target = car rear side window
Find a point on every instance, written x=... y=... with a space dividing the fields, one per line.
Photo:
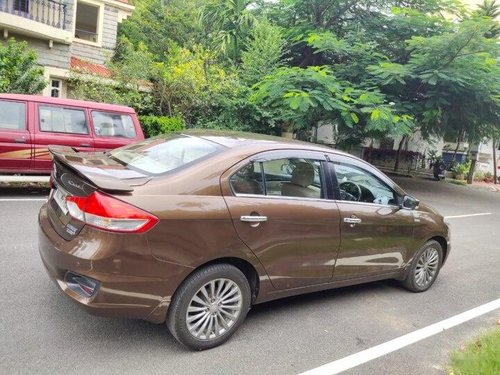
x=12 y=115
x=160 y=155
x=113 y=125
x=62 y=120
x=291 y=177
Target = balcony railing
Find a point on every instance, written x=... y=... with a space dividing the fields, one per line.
x=85 y=35
x=48 y=12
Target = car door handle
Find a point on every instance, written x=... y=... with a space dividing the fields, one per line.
x=20 y=140
x=84 y=144
x=253 y=219
x=352 y=220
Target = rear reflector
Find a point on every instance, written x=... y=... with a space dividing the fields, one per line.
x=111 y=214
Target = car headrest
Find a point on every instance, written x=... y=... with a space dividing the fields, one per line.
x=303 y=174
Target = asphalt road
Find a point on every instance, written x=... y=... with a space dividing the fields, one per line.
x=41 y=331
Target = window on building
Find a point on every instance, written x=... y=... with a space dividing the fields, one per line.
x=55 y=88
x=62 y=120
x=21 y=5
x=113 y=125
x=86 y=25
x=12 y=115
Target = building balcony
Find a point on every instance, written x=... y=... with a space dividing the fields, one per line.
x=45 y=19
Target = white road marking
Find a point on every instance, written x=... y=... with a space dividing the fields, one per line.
x=23 y=199
x=367 y=355
x=469 y=215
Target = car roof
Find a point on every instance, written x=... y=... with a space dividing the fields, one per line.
x=68 y=102
x=256 y=142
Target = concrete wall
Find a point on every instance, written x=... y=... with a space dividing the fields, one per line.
x=58 y=56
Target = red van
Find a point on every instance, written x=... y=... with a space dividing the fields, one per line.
x=28 y=124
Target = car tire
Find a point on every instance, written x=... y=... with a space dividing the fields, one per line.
x=209 y=306
x=424 y=268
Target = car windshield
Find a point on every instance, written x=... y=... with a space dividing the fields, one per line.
x=164 y=154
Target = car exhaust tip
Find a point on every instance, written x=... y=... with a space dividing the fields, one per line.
x=82 y=285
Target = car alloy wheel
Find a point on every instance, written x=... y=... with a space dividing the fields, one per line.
x=214 y=309
x=425 y=267
x=209 y=306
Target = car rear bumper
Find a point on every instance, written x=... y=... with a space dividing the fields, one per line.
x=121 y=292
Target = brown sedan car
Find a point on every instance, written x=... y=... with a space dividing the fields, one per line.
x=192 y=229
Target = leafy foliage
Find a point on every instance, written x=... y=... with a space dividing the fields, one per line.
x=155 y=125
x=191 y=84
x=264 y=52
x=304 y=97
x=371 y=68
x=159 y=24
x=128 y=83
x=19 y=72
x=227 y=23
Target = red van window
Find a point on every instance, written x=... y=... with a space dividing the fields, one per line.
x=62 y=120
x=113 y=125
x=12 y=115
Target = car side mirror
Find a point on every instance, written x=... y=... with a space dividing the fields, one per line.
x=409 y=202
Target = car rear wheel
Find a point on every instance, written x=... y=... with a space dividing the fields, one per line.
x=425 y=267
x=209 y=306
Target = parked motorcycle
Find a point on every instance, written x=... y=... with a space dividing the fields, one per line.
x=439 y=168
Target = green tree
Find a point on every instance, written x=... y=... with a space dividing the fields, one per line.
x=264 y=52
x=450 y=83
x=158 y=24
x=490 y=9
x=227 y=23
x=128 y=82
x=19 y=72
x=305 y=97
x=193 y=85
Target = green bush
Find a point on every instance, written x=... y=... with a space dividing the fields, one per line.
x=154 y=125
x=461 y=170
x=479 y=175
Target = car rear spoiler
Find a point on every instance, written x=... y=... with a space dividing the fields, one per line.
x=96 y=176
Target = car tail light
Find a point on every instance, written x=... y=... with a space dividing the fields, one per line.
x=111 y=214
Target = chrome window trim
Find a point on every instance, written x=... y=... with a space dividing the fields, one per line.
x=367 y=203
x=283 y=197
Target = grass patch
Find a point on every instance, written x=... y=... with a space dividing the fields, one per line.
x=479 y=357
x=457 y=182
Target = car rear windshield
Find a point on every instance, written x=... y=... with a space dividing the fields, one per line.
x=160 y=155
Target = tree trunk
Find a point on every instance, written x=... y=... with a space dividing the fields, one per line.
x=472 y=169
x=459 y=140
x=398 y=154
x=367 y=155
x=495 y=174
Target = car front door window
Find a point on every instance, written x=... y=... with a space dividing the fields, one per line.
x=356 y=184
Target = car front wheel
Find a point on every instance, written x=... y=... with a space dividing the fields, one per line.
x=209 y=306
x=425 y=267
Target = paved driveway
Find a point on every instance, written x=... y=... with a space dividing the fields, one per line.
x=41 y=331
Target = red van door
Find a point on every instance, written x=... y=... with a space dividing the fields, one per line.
x=113 y=129
x=15 y=139
x=59 y=125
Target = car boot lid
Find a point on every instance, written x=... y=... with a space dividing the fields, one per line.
x=100 y=169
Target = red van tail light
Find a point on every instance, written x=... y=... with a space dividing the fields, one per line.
x=111 y=214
